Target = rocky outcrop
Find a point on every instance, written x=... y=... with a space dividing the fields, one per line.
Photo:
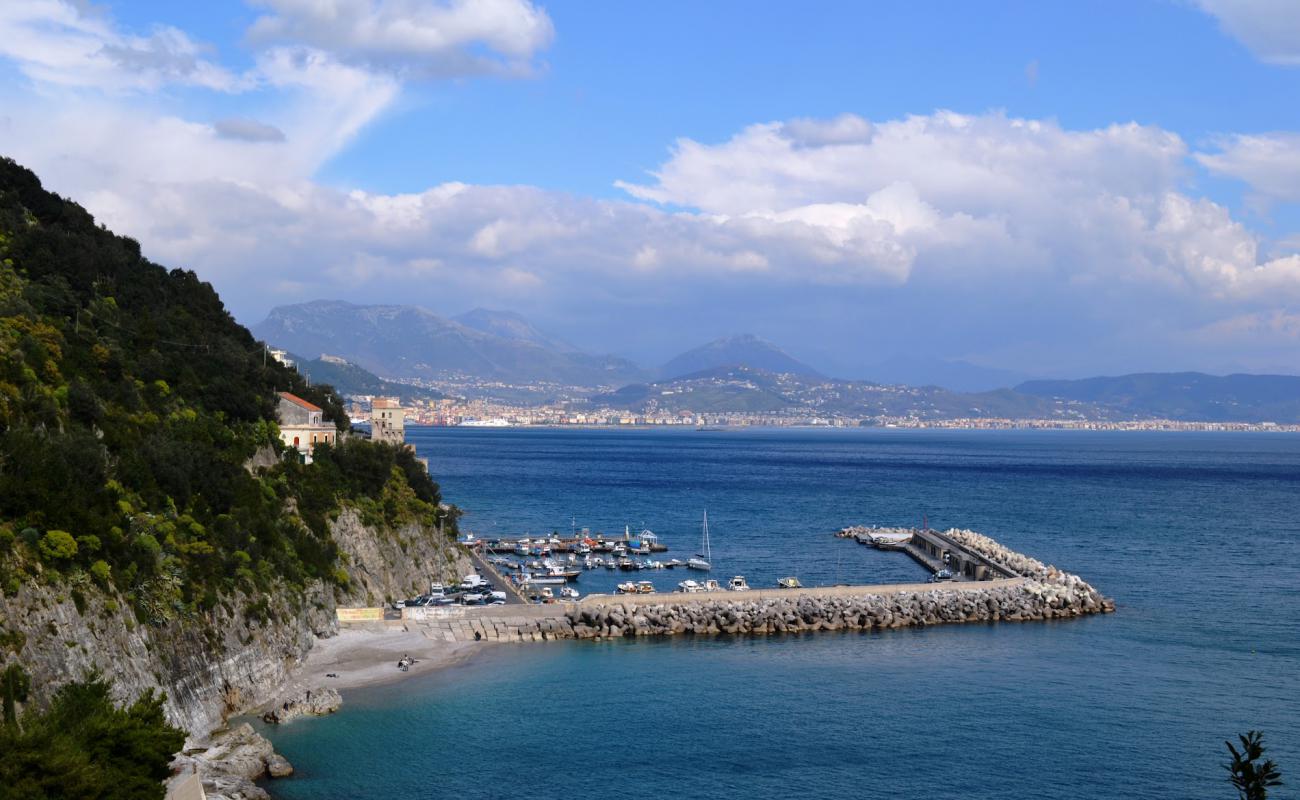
x=231 y=659
x=231 y=762
x=308 y=703
x=395 y=564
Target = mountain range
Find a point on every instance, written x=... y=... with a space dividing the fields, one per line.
x=746 y=389
x=410 y=342
x=737 y=373
x=1183 y=395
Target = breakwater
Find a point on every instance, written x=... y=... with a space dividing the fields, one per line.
x=1033 y=591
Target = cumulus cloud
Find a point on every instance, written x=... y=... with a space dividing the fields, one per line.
x=1017 y=240
x=972 y=197
x=1269 y=162
x=1270 y=28
x=441 y=38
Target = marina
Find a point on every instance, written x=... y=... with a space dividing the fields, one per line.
x=981 y=581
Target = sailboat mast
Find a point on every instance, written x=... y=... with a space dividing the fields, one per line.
x=708 y=555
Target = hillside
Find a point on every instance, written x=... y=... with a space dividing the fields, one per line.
x=509 y=325
x=411 y=342
x=744 y=389
x=744 y=350
x=148 y=526
x=1184 y=395
x=350 y=380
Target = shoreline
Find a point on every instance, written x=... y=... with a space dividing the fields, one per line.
x=362 y=657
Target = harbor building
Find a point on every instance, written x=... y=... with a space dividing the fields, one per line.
x=387 y=421
x=303 y=425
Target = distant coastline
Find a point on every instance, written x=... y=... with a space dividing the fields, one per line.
x=1150 y=425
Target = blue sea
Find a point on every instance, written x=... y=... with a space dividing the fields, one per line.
x=1195 y=535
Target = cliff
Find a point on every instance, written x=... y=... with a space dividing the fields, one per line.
x=229 y=660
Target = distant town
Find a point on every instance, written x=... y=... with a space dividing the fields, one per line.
x=733 y=397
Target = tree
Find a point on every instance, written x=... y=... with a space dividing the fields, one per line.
x=14 y=685
x=86 y=747
x=1251 y=777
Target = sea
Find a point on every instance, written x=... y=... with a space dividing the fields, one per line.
x=1195 y=535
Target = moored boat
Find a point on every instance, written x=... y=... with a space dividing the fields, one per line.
x=703 y=560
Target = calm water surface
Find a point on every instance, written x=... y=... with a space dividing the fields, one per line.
x=1197 y=536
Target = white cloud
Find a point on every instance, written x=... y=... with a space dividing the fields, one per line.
x=1000 y=234
x=441 y=38
x=1270 y=28
x=986 y=195
x=1269 y=162
x=63 y=44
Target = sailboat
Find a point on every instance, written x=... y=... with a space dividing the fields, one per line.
x=702 y=559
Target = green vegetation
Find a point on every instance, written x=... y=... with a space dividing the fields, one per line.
x=130 y=402
x=1251 y=777
x=83 y=746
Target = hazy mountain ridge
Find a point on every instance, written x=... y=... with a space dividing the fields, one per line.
x=411 y=342
x=1183 y=395
x=513 y=326
x=741 y=350
x=952 y=374
x=744 y=389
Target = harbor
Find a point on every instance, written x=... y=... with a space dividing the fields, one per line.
x=973 y=579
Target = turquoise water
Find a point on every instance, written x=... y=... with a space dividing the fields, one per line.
x=1197 y=536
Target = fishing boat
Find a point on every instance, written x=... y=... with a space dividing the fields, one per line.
x=542 y=580
x=711 y=586
x=788 y=583
x=645 y=587
x=737 y=584
x=703 y=559
x=627 y=587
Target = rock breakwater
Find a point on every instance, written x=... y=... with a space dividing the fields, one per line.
x=1041 y=593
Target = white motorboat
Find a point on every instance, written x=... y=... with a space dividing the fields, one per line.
x=737 y=584
x=689 y=587
x=711 y=586
x=627 y=587
x=568 y=593
x=703 y=560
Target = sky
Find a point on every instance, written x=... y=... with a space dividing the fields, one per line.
x=1058 y=189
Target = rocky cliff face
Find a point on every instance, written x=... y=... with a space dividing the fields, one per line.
x=229 y=660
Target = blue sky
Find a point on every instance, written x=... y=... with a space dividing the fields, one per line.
x=1113 y=188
